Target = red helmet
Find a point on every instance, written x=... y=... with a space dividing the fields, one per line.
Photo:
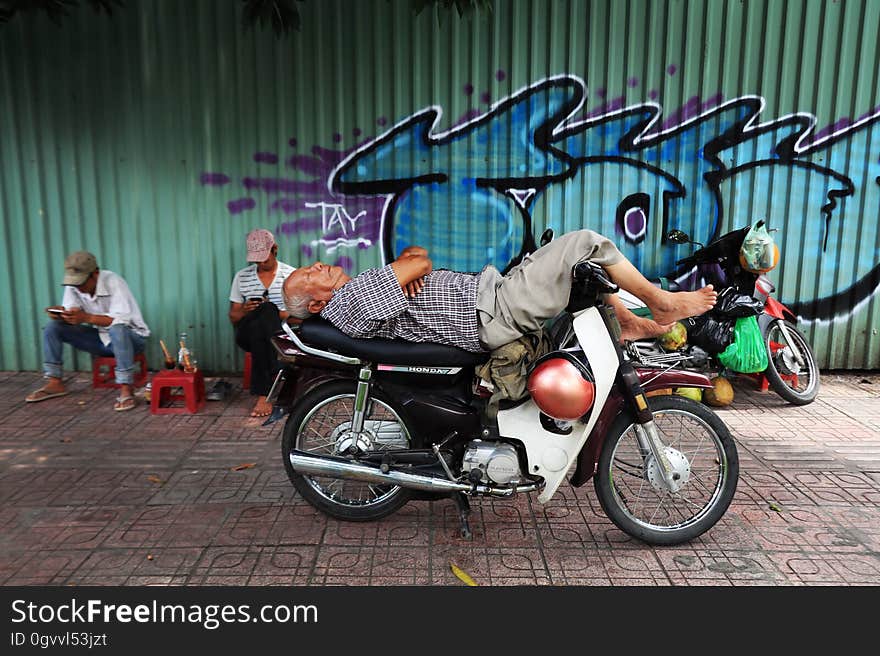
x=562 y=386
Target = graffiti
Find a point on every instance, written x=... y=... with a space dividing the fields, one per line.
x=478 y=192
x=332 y=214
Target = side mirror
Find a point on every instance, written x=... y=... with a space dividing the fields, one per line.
x=546 y=236
x=678 y=237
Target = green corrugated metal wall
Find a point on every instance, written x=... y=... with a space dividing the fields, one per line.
x=159 y=136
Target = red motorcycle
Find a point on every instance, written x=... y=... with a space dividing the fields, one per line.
x=736 y=266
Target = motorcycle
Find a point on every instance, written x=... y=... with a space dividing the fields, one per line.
x=791 y=369
x=374 y=423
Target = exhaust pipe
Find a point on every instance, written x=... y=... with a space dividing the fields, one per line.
x=311 y=465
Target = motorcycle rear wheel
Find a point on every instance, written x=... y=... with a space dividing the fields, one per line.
x=783 y=373
x=318 y=425
x=654 y=514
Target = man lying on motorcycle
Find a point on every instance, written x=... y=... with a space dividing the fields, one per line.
x=409 y=300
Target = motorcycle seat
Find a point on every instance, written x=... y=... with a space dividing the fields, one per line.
x=322 y=334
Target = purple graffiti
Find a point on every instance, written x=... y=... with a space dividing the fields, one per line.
x=468 y=116
x=332 y=157
x=214 y=179
x=635 y=222
x=693 y=107
x=500 y=75
x=337 y=137
x=345 y=262
x=671 y=69
x=240 y=205
x=381 y=121
x=292 y=141
x=831 y=129
x=266 y=158
x=300 y=225
x=307 y=251
x=869 y=114
x=485 y=97
x=652 y=94
x=468 y=89
x=613 y=105
x=305 y=163
x=276 y=185
x=356 y=132
x=632 y=82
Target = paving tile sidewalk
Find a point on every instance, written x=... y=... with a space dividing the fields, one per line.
x=89 y=496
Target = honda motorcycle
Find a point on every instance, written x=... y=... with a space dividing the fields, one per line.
x=791 y=370
x=374 y=423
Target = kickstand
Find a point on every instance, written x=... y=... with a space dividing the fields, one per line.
x=464 y=510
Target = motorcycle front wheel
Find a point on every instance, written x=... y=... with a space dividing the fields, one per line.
x=320 y=424
x=629 y=482
x=795 y=383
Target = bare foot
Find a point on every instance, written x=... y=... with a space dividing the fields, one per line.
x=670 y=307
x=262 y=408
x=633 y=327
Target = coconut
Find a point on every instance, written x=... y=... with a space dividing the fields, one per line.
x=721 y=393
x=692 y=393
x=674 y=338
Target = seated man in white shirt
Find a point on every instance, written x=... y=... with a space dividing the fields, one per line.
x=99 y=315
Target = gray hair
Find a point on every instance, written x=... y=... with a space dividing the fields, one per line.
x=297 y=304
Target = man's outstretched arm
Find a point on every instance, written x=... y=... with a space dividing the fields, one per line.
x=411 y=267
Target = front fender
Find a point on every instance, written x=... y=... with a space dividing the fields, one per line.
x=650 y=380
x=773 y=309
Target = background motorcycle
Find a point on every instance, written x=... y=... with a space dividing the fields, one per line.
x=791 y=371
x=374 y=423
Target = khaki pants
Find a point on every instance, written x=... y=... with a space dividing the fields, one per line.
x=538 y=288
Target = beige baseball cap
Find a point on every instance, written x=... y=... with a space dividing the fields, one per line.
x=78 y=266
x=259 y=245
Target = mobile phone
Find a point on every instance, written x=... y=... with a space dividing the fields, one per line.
x=56 y=310
x=258 y=299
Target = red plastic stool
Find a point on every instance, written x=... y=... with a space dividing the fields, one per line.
x=163 y=394
x=103 y=375
x=246 y=377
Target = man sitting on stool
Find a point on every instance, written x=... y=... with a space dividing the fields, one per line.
x=102 y=299
x=254 y=302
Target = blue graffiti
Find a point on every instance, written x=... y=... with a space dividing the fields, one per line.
x=478 y=193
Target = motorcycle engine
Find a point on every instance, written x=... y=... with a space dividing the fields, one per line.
x=495 y=461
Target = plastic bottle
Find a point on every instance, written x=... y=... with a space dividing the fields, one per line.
x=183 y=353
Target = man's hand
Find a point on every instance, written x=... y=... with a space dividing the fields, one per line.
x=55 y=316
x=414 y=287
x=413 y=251
x=75 y=316
x=411 y=267
x=251 y=305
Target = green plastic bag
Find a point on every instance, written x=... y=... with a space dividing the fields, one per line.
x=747 y=354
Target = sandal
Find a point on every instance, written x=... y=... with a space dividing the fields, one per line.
x=43 y=394
x=124 y=403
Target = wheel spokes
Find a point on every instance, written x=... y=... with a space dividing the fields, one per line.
x=324 y=429
x=651 y=503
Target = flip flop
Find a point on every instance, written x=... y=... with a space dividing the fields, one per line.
x=125 y=403
x=42 y=395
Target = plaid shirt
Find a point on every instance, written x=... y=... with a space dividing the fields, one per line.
x=374 y=305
